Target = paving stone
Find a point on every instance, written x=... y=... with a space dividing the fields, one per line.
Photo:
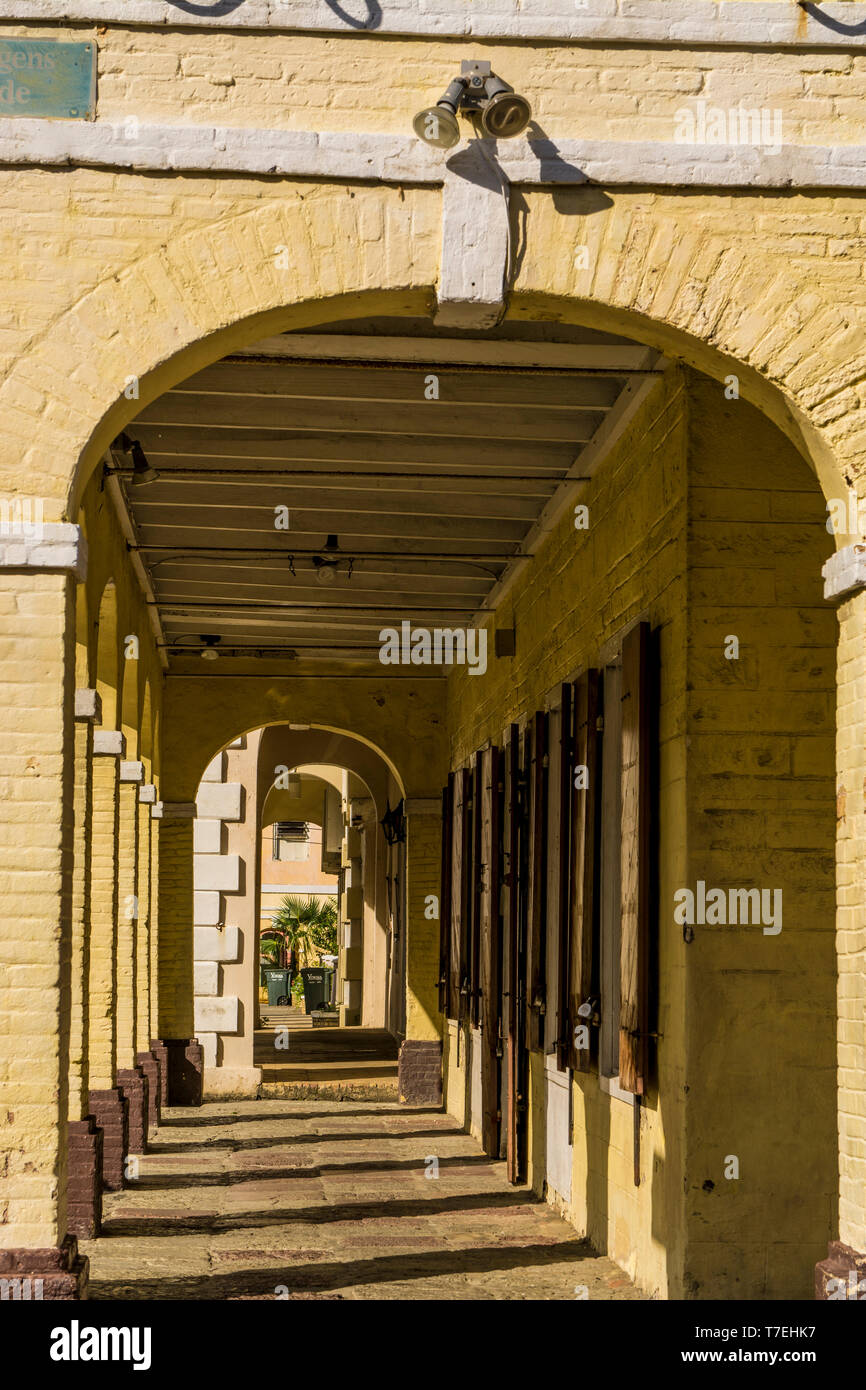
x=244 y=1200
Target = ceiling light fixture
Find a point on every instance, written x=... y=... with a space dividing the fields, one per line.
x=501 y=112
x=327 y=563
x=142 y=471
x=209 y=649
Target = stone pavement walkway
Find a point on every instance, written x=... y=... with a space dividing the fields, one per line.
x=322 y=1199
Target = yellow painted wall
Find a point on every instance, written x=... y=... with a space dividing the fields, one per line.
x=706 y=522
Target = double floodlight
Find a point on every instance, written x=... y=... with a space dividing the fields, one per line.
x=496 y=108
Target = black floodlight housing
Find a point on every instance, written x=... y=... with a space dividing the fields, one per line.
x=501 y=112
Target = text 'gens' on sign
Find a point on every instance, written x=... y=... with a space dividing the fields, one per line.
x=47 y=79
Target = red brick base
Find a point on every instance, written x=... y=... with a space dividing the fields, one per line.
x=110 y=1110
x=84 y=1179
x=842 y=1275
x=55 y=1274
x=419 y=1073
x=181 y=1063
x=133 y=1084
x=150 y=1066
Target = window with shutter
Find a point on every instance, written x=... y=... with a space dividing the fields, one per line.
x=581 y=982
x=490 y=946
x=460 y=897
x=536 y=962
x=445 y=897
x=635 y=861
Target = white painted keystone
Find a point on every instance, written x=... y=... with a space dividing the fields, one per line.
x=210 y=944
x=220 y=800
x=207 y=836
x=216 y=1015
x=109 y=743
x=206 y=908
x=88 y=705
x=132 y=772
x=147 y=794
x=206 y=977
x=216 y=872
x=215 y=770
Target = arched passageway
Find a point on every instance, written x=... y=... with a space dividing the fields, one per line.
x=554 y=598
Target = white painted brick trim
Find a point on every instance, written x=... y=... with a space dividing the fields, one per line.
x=845 y=572
x=88 y=706
x=677 y=22
x=55 y=545
x=147 y=794
x=376 y=157
x=132 y=772
x=109 y=743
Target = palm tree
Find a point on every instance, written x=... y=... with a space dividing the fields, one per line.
x=305 y=922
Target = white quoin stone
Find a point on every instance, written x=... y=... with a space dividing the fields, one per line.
x=132 y=772
x=217 y=872
x=210 y=944
x=207 y=836
x=208 y=1047
x=147 y=794
x=215 y=770
x=206 y=909
x=220 y=800
x=109 y=743
x=206 y=976
x=216 y=1015
x=88 y=706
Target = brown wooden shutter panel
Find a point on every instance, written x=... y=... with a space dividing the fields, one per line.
x=445 y=897
x=490 y=965
x=585 y=804
x=537 y=924
x=635 y=892
x=515 y=972
x=461 y=821
x=566 y=779
x=476 y=881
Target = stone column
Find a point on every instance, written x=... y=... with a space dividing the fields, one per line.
x=130 y=1077
x=842 y=1275
x=37 y=628
x=85 y=1137
x=107 y=1102
x=176 y=1047
x=145 y=1025
x=420 y=1067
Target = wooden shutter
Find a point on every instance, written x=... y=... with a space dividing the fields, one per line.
x=477 y=888
x=566 y=781
x=490 y=926
x=460 y=867
x=515 y=971
x=635 y=852
x=445 y=897
x=536 y=952
x=585 y=846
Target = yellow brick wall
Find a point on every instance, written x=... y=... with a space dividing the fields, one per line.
x=80 y=925
x=103 y=926
x=128 y=911
x=760 y=776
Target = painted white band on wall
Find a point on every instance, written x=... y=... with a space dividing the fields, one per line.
x=675 y=22
x=43 y=545
x=845 y=572
x=375 y=157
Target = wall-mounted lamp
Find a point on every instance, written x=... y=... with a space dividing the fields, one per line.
x=393 y=824
x=501 y=112
x=142 y=471
x=210 y=641
x=327 y=563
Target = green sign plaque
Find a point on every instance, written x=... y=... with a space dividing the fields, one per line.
x=47 y=79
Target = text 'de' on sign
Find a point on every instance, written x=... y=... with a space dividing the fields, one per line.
x=47 y=79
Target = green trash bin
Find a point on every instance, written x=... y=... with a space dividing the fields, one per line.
x=277 y=982
x=317 y=988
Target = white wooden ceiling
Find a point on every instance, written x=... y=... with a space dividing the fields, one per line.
x=433 y=501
